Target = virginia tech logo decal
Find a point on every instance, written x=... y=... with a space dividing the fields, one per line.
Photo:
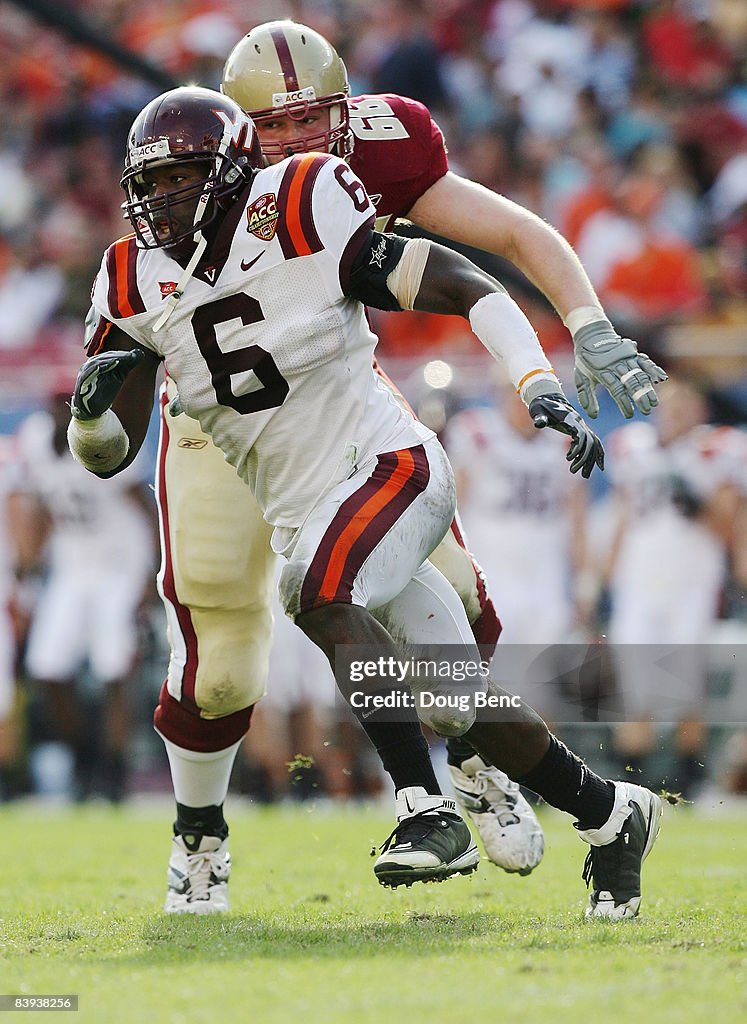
x=262 y=217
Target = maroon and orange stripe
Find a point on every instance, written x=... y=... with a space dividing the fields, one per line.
x=124 y=295
x=360 y=524
x=296 y=231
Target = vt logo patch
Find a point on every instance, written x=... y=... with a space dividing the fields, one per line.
x=262 y=217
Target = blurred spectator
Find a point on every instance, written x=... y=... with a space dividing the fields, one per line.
x=402 y=56
x=643 y=273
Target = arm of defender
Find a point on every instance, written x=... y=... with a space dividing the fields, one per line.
x=466 y=212
x=112 y=403
x=392 y=273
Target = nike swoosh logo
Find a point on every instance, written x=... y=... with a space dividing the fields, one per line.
x=250 y=264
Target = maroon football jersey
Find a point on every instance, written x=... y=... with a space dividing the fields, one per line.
x=399 y=152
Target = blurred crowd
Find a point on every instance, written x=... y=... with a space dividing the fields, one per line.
x=624 y=124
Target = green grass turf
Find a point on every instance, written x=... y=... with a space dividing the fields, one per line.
x=312 y=938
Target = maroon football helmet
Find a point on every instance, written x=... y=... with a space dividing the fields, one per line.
x=185 y=125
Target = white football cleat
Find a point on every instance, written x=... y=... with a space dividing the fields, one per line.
x=618 y=849
x=198 y=880
x=508 y=827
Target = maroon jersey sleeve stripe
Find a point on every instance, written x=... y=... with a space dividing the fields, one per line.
x=121 y=264
x=286 y=60
x=296 y=231
x=306 y=210
x=111 y=271
x=134 y=297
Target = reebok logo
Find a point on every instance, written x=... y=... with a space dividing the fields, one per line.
x=191 y=442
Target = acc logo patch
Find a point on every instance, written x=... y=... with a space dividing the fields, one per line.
x=262 y=217
x=167 y=288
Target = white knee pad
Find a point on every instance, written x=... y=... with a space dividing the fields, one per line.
x=451 y=714
x=233 y=659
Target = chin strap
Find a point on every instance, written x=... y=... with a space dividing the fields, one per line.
x=197 y=255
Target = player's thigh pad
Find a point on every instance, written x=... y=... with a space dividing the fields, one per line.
x=369 y=535
x=458 y=566
x=216 y=576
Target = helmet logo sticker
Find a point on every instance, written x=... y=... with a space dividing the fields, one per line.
x=157 y=150
x=308 y=95
x=262 y=217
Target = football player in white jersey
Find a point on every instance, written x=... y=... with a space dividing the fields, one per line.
x=296 y=84
x=87 y=608
x=265 y=335
x=680 y=483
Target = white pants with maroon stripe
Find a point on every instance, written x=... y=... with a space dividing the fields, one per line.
x=367 y=543
x=217 y=575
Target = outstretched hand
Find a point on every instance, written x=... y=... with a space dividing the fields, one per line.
x=556 y=412
x=603 y=357
x=99 y=380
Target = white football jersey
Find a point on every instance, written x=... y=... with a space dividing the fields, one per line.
x=517 y=516
x=93 y=522
x=663 y=552
x=265 y=348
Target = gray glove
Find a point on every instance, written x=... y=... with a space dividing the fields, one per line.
x=555 y=411
x=603 y=357
x=99 y=380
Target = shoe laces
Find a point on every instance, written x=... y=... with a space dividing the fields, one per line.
x=413 y=828
x=504 y=794
x=607 y=860
x=201 y=874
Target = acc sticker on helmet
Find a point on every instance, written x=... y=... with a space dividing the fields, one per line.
x=262 y=217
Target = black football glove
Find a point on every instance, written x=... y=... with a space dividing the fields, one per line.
x=99 y=380
x=555 y=411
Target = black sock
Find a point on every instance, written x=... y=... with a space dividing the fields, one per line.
x=458 y=750
x=192 y=823
x=404 y=752
x=563 y=780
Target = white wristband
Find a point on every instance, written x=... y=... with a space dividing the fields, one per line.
x=99 y=445
x=583 y=315
x=509 y=337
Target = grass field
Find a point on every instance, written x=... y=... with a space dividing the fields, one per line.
x=312 y=938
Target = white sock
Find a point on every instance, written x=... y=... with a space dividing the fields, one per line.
x=200 y=779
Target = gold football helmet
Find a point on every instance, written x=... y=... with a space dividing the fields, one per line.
x=283 y=69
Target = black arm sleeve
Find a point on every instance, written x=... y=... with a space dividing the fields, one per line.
x=370 y=267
